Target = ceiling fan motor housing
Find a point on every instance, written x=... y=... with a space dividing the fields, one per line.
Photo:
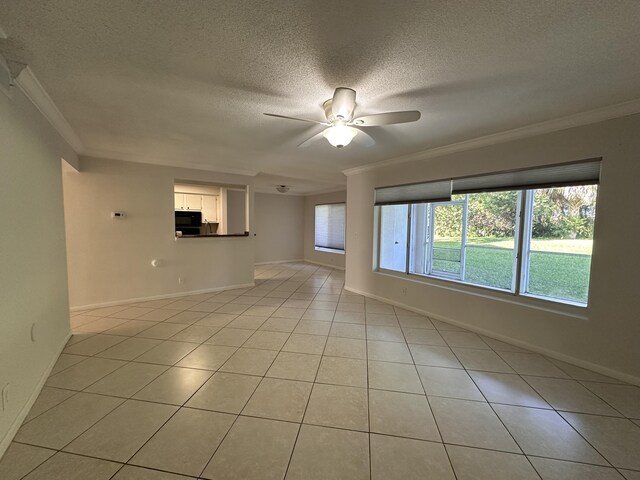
x=343 y=103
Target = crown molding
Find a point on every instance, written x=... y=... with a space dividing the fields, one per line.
x=35 y=92
x=577 y=120
x=5 y=78
x=107 y=155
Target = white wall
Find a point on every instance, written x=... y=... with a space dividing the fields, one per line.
x=197 y=189
x=608 y=336
x=33 y=279
x=110 y=260
x=279 y=225
x=236 y=211
x=310 y=253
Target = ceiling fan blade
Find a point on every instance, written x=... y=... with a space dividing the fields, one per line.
x=311 y=140
x=294 y=118
x=343 y=103
x=388 y=118
x=364 y=139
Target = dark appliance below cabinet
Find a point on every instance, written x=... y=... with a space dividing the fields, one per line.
x=188 y=223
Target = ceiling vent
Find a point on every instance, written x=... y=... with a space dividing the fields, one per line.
x=282 y=188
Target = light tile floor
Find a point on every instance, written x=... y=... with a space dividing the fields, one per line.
x=297 y=378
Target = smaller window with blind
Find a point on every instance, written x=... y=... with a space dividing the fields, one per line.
x=329 y=231
x=528 y=232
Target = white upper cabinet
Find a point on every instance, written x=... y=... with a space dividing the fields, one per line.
x=209 y=208
x=207 y=204
x=178 y=199
x=187 y=201
x=192 y=201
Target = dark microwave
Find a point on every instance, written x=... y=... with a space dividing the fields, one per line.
x=188 y=219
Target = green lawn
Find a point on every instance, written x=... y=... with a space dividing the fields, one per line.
x=541 y=244
x=560 y=275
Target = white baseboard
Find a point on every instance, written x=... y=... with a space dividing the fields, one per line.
x=625 y=377
x=15 y=426
x=280 y=261
x=323 y=264
x=160 y=297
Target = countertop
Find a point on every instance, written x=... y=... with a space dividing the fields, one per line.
x=245 y=234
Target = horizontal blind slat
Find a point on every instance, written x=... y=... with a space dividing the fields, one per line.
x=562 y=175
x=439 y=191
x=330 y=226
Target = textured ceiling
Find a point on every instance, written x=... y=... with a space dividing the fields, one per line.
x=173 y=82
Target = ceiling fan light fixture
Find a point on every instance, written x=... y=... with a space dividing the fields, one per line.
x=340 y=135
x=339 y=110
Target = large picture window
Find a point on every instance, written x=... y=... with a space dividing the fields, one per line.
x=329 y=227
x=529 y=241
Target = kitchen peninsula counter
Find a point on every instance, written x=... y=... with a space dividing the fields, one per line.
x=204 y=235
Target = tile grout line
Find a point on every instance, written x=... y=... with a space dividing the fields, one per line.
x=348 y=430
x=39 y=464
x=93 y=424
x=366 y=359
x=251 y=396
x=311 y=382
x=75 y=392
x=581 y=382
x=570 y=377
x=295 y=442
x=401 y=363
x=435 y=421
x=496 y=414
x=559 y=413
x=621 y=416
x=183 y=406
x=246 y=403
x=304 y=353
x=551 y=409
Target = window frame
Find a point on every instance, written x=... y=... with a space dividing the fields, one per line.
x=463 y=235
x=344 y=230
x=522 y=247
x=529 y=206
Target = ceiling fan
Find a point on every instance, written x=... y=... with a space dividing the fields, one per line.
x=343 y=127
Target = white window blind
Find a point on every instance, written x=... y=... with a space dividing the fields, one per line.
x=559 y=175
x=585 y=172
x=330 y=221
x=439 y=191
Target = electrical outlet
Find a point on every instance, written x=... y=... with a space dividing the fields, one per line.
x=5 y=397
x=404 y=291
